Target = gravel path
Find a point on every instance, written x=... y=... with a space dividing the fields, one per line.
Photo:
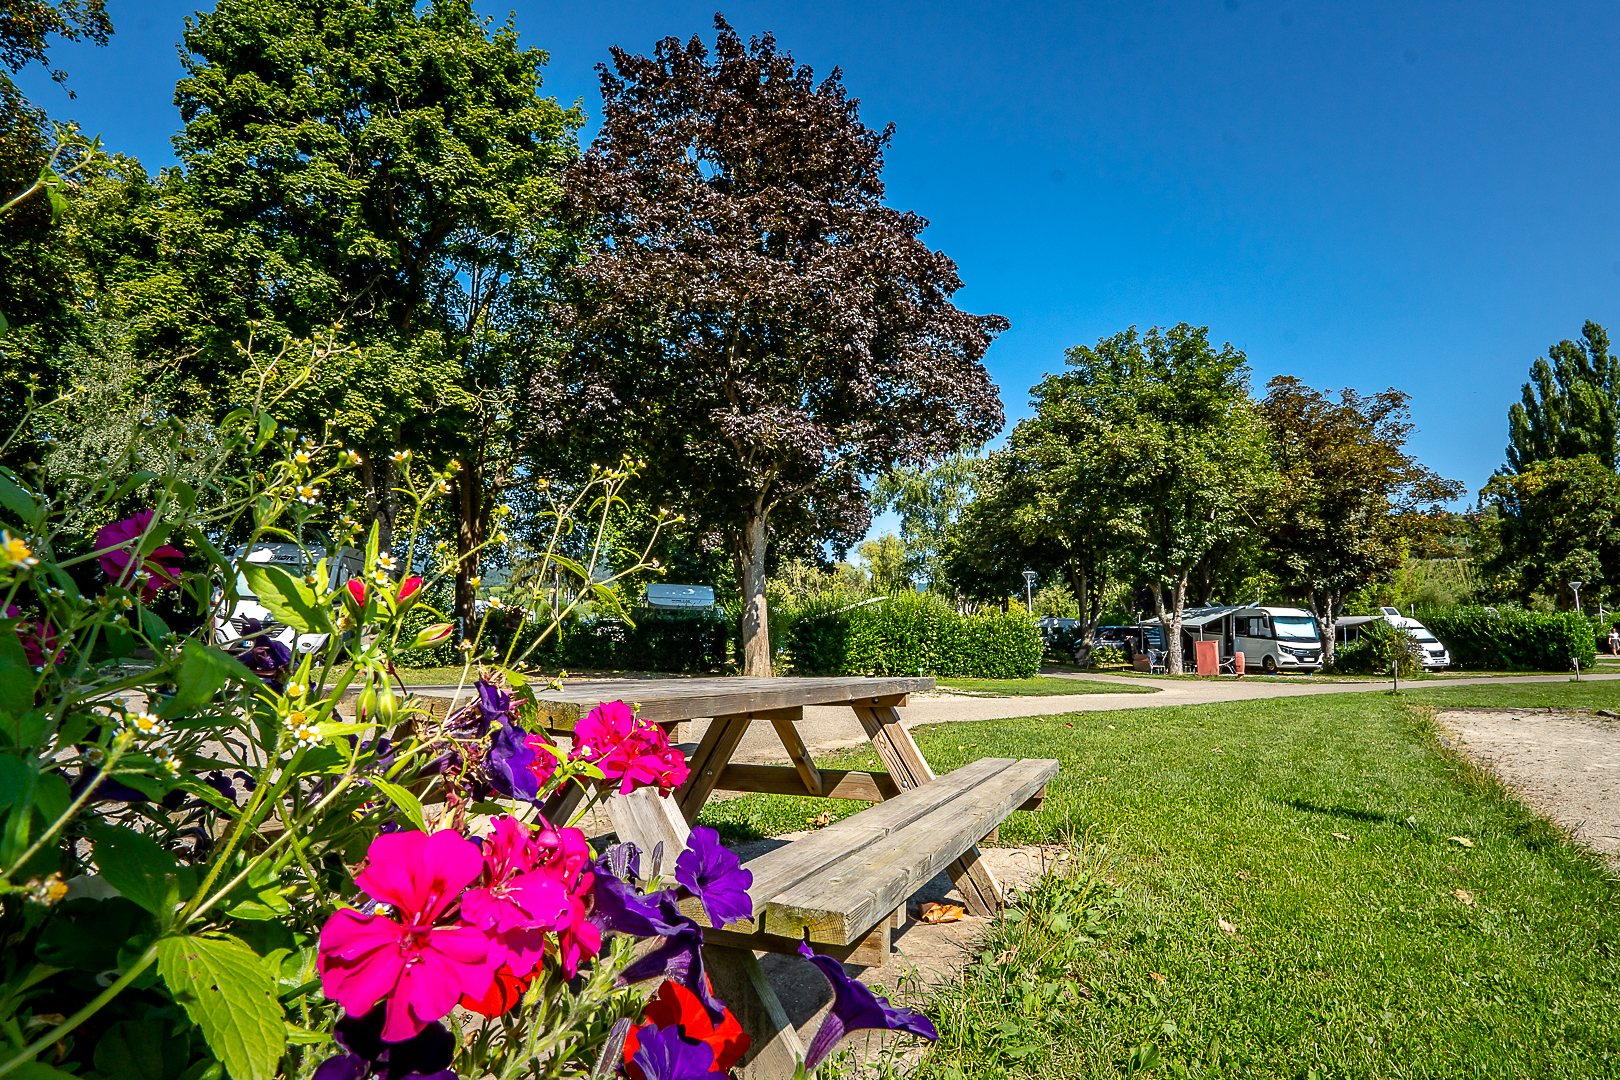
x=1565 y=765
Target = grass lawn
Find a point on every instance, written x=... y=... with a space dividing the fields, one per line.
x=1365 y=940
x=1039 y=686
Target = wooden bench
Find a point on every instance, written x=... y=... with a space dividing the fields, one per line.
x=845 y=887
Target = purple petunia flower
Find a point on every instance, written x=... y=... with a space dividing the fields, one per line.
x=510 y=764
x=619 y=909
x=425 y=1056
x=677 y=956
x=856 y=1008
x=716 y=877
x=665 y=1055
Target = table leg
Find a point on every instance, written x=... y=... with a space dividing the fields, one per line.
x=709 y=761
x=647 y=820
x=981 y=892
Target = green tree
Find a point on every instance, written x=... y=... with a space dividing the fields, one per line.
x=1346 y=493
x=1570 y=406
x=1559 y=521
x=751 y=310
x=929 y=501
x=391 y=167
x=888 y=562
x=1171 y=416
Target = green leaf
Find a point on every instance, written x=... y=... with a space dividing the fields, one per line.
x=135 y=865
x=288 y=598
x=259 y=896
x=371 y=546
x=304 y=1036
x=142 y=1051
x=38 y=1070
x=231 y=997
x=153 y=626
x=203 y=673
x=16 y=500
x=16 y=677
x=408 y=804
x=267 y=429
x=4 y=325
x=86 y=934
x=52 y=796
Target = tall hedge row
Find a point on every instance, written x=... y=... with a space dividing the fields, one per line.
x=1514 y=640
x=694 y=640
x=908 y=633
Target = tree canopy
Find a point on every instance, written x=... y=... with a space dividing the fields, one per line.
x=751 y=308
x=1570 y=406
x=1559 y=522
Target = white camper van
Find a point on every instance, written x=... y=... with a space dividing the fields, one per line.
x=1277 y=639
x=1435 y=653
x=249 y=618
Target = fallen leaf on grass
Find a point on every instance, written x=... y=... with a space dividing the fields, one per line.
x=938 y=913
x=1005 y=956
x=1226 y=926
x=1463 y=840
x=1341 y=836
x=1068 y=725
x=1464 y=895
x=823 y=818
x=1160 y=979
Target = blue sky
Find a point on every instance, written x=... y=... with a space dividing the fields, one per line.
x=1374 y=194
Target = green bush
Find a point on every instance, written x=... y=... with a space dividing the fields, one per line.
x=687 y=640
x=912 y=632
x=1379 y=646
x=1513 y=639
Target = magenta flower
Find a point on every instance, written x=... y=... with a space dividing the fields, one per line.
x=409 y=587
x=716 y=877
x=425 y=1056
x=856 y=1008
x=412 y=958
x=580 y=939
x=357 y=591
x=38 y=639
x=116 y=548
x=517 y=903
x=629 y=749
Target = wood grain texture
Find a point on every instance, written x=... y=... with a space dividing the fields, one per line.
x=728 y=732
x=799 y=754
x=739 y=981
x=835 y=783
x=841 y=903
x=663 y=700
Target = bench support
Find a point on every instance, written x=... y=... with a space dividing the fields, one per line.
x=981 y=892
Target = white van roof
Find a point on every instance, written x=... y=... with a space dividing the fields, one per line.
x=680 y=596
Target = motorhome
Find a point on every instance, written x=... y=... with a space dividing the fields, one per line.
x=1271 y=639
x=1435 y=653
x=249 y=618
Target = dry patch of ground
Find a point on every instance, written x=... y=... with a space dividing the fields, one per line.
x=1562 y=763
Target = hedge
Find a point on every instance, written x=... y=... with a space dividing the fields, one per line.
x=908 y=633
x=687 y=640
x=1513 y=639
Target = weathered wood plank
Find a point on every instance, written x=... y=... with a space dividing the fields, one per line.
x=835 y=783
x=664 y=700
x=871 y=951
x=842 y=903
x=695 y=792
x=895 y=747
x=798 y=753
x=647 y=819
x=780 y=869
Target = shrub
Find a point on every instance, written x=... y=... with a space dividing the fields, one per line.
x=1379 y=646
x=912 y=632
x=1513 y=639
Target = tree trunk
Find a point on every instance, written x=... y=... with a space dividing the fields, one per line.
x=756 y=628
x=1088 y=594
x=470 y=517
x=1328 y=620
x=1171 y=620
x=382 y=501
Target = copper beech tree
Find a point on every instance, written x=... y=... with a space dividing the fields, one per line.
x=749 y=306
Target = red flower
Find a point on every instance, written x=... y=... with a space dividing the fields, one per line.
x=408 y=587
x=357 y=592
x=503 y=996
x=676 y=1006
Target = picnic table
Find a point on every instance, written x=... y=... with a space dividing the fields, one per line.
x=845 y=887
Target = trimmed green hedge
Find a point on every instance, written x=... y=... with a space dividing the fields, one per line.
x=1513 y=639
x=913 y=632
x=688 y=640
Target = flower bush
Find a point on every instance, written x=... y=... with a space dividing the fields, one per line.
x=274 y=863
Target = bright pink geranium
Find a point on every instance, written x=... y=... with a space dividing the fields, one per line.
x=125 y=567
x=629 y=749
x=38 y=639
x=568 y=853
x=415 y=957
x=408 y=588
x=516 y=902
x=357 y=591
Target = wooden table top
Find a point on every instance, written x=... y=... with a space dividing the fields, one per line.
x=663 y=700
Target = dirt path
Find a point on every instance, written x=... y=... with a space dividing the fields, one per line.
x=1564 y=764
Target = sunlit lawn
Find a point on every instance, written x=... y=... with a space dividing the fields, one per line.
x=1367 y=941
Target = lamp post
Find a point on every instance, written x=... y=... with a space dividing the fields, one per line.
x=1576 y=585
x=1029 y=590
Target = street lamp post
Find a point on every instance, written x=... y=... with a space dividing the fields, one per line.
x=1576 y=585
x=1029 y=590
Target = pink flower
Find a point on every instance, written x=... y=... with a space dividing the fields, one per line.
x=628 y=749
x=118 y=559
x=408 y=587
x=37 y=638
x=412 y=957
x=568 y=855
x=516 y=903
x=357 y=591
x=544 y=764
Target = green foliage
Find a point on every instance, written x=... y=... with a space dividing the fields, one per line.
x=912 y=632
x=929 y=501
x=1380 y=645
x=231 y=995
x=695 y=640
x=1571 y=405
x=887 y=562
x=1558 y=521
x=1512 y=639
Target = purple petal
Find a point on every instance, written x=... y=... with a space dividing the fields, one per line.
x=678 y=956
x=716 y=877
x=620 y=909
x=664 y=1055
x=507 y=766
x=343 y=1067
x=856 y=1008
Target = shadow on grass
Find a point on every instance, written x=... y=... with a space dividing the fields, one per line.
x=1341 y=811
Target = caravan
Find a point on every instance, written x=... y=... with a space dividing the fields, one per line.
x=1270 y=639
x=1435 y=653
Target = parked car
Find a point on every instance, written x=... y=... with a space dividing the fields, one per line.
x=250 y=619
